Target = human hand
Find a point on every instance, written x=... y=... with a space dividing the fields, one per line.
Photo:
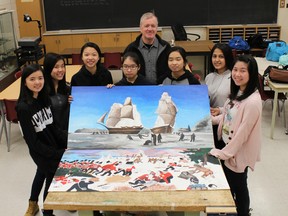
x=110 y=85
x=215 y=111
x=70 y=99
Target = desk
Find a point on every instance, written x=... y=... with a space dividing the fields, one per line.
x=276 y=87
x=193 y=48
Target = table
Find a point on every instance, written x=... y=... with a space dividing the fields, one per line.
x=123 y=199
x=276 y=87
x=188 y=201
x=193 y=48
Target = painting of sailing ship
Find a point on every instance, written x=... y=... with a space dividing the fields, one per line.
x=122 y=118
x=140 y=116
x=166 y=111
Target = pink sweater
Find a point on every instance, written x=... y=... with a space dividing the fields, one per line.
x=244 y=147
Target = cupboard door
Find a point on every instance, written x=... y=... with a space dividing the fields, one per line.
x=123 y=39
x=108 y=39
x=57 y=43
x=95 y=38
x=65 y=41
x=79 y=40
x=116 y=39
x=134 y=35
x=51 y=43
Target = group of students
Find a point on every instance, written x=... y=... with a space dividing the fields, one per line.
x=43 y=104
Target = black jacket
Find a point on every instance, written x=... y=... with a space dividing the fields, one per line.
x=83 y=77
x=46 y=141
x=162 y=61
x=186 y=79
x=141 y=80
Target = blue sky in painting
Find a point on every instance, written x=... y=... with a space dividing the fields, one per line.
x=90 y=103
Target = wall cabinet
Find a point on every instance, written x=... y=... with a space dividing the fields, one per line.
x=115 y=39
x=56 y=43
x=78 y=40
x=8 y=59
x=223 y=34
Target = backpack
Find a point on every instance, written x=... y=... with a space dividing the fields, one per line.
x=283 y=60
x=275 y=50
x=238 y=43
x=256 y=41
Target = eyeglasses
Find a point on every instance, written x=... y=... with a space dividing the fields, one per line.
x=131 y=67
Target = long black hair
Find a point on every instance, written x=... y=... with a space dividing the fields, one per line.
x=253 y=83
x=228 y=55
x=26 y=94
x=49 y=63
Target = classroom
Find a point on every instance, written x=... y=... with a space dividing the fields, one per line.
x=266 y=184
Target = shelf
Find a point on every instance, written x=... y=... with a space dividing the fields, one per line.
x=223 y=34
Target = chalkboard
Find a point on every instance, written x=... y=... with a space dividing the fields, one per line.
x=95 y=14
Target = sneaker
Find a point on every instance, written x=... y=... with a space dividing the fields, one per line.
x=33 y=208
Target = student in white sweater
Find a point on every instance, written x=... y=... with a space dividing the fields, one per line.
x=218 y=81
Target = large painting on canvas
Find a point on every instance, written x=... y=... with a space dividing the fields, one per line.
x=138 y=170
x=139 y=138
x=140 y=116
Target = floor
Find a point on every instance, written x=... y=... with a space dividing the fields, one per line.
x=268 y=190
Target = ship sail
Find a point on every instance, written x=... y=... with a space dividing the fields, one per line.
x=166 y=111
x=122 y=118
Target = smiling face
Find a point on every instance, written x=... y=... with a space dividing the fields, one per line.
x=240 y=74
x=148 y=28
x=176 y=63
x=35 y=82
x=218 y=61
x=58 y=71
x=90 y=57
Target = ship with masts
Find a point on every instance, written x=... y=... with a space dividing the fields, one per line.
x=166 y=115
x=122 y=118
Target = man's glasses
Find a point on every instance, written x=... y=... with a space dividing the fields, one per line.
x=131 y=67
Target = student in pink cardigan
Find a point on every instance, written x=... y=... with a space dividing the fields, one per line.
x=240 y=130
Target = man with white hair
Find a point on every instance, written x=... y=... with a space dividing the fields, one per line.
x=151 y=49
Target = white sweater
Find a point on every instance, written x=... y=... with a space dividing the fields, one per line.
x=218 y=87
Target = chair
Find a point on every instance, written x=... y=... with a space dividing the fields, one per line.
x=112 y=60
x=11 y=117
x=269 y=95
x=18 y=74
x=180 y=33
x=197 y=76
x=76 y=59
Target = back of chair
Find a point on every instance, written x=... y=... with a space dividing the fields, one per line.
x=18 y=74
x=11 y=114
x=179 y=32
x=112 y=60
x=76 y=59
